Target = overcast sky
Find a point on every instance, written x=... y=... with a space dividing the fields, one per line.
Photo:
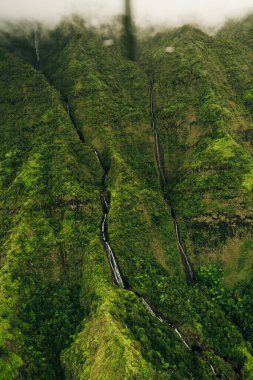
x=170 y=12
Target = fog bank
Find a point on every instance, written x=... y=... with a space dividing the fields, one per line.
x=166 y=12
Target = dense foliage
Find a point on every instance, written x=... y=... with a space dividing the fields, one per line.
x=61 y=315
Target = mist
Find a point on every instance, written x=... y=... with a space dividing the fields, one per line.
x=206 y=13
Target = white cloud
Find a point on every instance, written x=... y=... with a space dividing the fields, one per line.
x=206 y=12
x=170 y=12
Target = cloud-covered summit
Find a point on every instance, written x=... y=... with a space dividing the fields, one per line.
x=166 y=12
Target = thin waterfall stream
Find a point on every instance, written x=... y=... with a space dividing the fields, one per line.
x=36 y=45
x=106 y=207
x=188 y=267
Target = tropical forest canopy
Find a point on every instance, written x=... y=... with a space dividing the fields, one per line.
x=126 y=151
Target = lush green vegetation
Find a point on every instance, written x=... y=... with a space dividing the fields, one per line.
x=61 y=315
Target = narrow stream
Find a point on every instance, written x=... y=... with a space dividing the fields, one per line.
x=188 y=267
x=106 y=207
x=36 y=45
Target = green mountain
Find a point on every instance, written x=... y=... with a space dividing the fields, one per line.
x=126 y=204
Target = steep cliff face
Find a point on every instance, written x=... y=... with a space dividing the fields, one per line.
x=204 y=117
x=205 y=130
x=95 y=129
x=49 y=210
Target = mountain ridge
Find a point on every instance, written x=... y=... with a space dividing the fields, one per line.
x=203 y=122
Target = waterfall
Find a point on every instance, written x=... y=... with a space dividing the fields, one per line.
x=78 y=131
x=148 y=307
x=103 y=227
x=68 y=111
x=158 y=154
x=113 y=263
x=184 y=255
x=151 y=311
x=36 y=44
x=213 y=370
x=114 y=266
x=188 y=266
x=182 y=339
x=96 y=154
x=105 y=203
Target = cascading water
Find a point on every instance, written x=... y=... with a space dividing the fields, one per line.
x=158 y=155
x=68 y=111
x=103 y=227
x=212 y=368
x=180 y=336
x=151 y=311
x=184 y=255
x=79 y=132
x=113 y=263
x=36 y=45
x=114 y=266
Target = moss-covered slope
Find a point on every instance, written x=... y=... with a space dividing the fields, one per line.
x=62 y=314
x=205 y=129
x=113 y=115
x=50 y=214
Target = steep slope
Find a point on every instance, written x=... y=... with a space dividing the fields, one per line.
x=203 y=124
x=51 y=250
x=204 y=128
x=113 y=115
x=53 y=168
x=105 y=110
x=50 y=214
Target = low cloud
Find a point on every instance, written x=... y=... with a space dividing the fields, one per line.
x=166 y=12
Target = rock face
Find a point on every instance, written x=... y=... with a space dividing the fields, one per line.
x=95 y=266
